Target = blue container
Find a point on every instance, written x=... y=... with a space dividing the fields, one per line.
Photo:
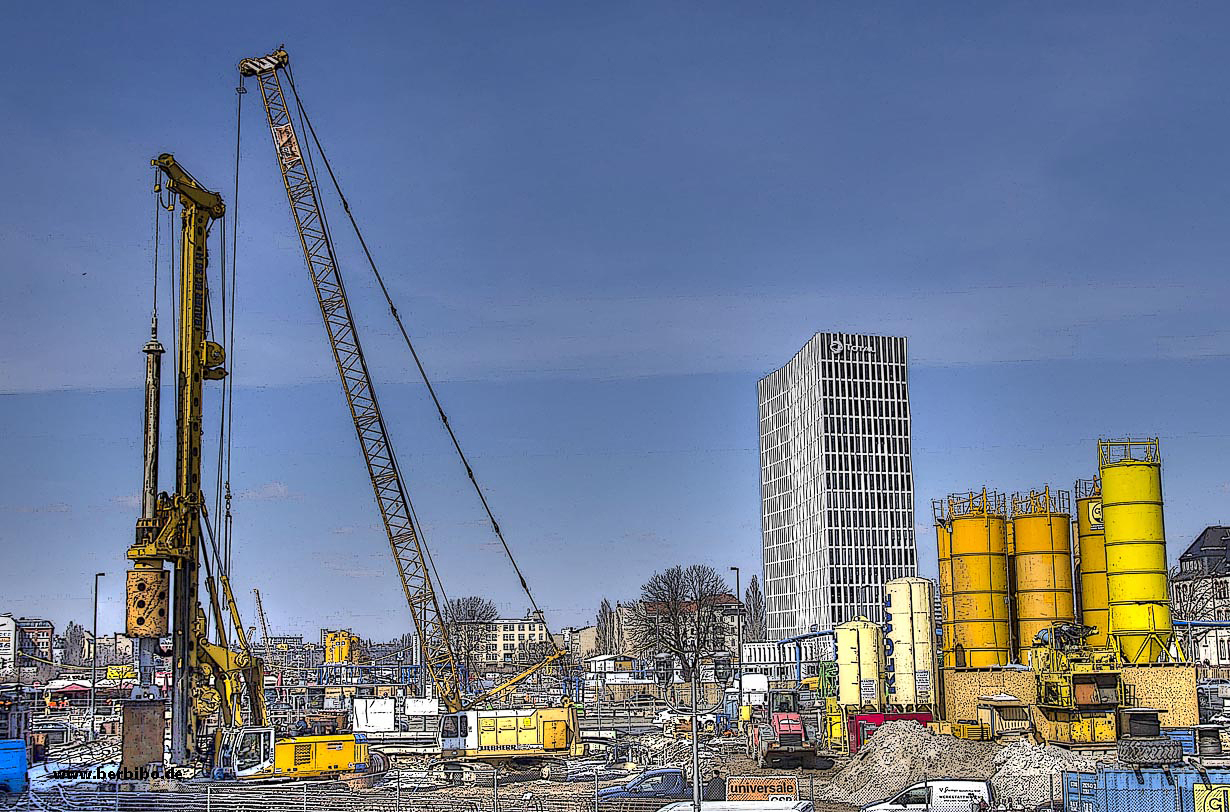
x=12 y=765
x=1080 y=792
x=1143 y=790
x=1185 y=736
x=1189 y=778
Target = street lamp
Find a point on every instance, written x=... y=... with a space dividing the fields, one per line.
x=664 y=670
x=739 y=654
x=94 y=661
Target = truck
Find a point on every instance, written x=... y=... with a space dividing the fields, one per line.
x=13 y=763
x=776 y=734
x=663 y=783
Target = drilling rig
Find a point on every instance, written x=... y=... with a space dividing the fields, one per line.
x=218 y=715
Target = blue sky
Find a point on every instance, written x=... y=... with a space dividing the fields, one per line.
x=603 y=223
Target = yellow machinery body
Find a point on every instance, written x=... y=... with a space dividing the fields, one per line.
x=1091 y=545
x=943 y=543
x=1079 y=686
x=255 y=753
x=911 y=676
x=512 y=733
x=834 y=735
x=1043 y=565
x=1136 y=578
x=979 y=577
x=860 y=664
x=343 y=646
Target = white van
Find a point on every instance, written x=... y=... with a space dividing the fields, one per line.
x=940 y=795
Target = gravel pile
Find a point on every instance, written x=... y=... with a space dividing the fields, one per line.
x=902 y=753
x=1026 y=774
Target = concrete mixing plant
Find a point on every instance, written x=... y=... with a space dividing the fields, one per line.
x=1018 y=657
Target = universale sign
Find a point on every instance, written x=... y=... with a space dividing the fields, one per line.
x=762 y=788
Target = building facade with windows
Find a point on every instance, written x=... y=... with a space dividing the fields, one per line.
x=504 y=641
x=1200 y=590
x=836 y=485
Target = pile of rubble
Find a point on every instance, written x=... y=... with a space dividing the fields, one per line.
x=902 y=753
x=1028 y=774
x=664 y=751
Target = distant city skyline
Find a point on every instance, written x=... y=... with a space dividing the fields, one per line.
x=604 y=224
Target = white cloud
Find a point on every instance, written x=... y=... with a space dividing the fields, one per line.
x=268 y=492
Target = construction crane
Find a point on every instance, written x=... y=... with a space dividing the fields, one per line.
x=210 y=680
x=260 y=614
x=465 y=733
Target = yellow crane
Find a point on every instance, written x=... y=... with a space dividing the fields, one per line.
x=210 y=679
x=466 y=732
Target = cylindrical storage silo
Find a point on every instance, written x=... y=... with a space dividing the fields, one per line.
x=860 y=664
x=1136 y=583
x=909 y=641
x=943 y=544
x=1042 y=536
x=1091 y=547
x=979 y=568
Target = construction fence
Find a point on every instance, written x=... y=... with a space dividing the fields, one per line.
x=390 y=796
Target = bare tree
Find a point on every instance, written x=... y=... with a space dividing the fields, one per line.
x=679 y=613
x=74 y=644
x=1203 y=597
x=469 y=620
x=608 y=632
x=757 y=628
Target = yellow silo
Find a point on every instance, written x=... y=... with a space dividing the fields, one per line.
x=1042 y=540
x=979 y=567
x=1091 y=547
x=860 y=664
x=943 y=543
x=1136 y=587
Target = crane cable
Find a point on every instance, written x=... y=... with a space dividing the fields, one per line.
x=495 y=525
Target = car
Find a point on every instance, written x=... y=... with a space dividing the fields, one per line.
x=665 y=782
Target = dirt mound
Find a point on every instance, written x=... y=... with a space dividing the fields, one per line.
x=902 y=753
x=1026 y=774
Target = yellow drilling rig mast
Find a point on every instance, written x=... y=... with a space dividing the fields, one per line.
x=466 y=733
x=210 y=680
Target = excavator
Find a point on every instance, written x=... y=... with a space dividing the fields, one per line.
x=471 y=730
x=211 y=680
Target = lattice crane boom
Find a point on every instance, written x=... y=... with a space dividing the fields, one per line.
x=388 y=485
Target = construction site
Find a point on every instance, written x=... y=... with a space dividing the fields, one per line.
x=1046 y=667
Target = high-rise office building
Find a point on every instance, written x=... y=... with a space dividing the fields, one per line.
x=836 y=484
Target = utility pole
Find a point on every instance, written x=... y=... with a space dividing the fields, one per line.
x=739 y=655
x=94 y=662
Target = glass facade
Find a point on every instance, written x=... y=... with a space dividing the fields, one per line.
x=836 y=483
